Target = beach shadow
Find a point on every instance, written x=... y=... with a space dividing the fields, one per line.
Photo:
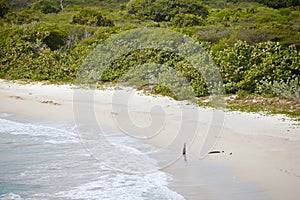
x=185 y=158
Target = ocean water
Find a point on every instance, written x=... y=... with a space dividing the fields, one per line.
x=49 y=161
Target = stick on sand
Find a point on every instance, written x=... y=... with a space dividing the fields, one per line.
x=184 y=149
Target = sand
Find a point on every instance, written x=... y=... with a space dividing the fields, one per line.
x=260 y=150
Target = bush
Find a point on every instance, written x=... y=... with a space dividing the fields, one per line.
x=279 y=3
x=46 y=6
x=184 y=20
x=165 y=10
x=244 y=66
x=56 y=37
x=26 y=56
x=289 y=89
x=273 y=3
x=23 y=17
x=91 y=17
x=132 y=62
x=241 y=93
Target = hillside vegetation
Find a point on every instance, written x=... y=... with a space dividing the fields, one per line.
x=255 y=44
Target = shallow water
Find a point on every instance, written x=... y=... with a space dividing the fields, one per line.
x=52 y=161
x=48 y=161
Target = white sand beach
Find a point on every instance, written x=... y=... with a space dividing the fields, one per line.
x=263 y=151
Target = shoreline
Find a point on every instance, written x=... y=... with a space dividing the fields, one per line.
x=265 y=151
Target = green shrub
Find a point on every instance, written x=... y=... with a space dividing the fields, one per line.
x=279 y=3
x=272 y=3
x=46 y=6
x=241 y=93
x=25 y=55
x=56 y=38
x=131 y=62
x=251 y=45
x=184 y=20
x=210 y=33
x=91 y=17
x=244 y=66
x=23 y=17
x=289 y=89
x=165 y=10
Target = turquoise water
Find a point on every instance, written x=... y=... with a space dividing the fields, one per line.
x=48 y=161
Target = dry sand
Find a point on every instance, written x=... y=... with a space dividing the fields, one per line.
x=263 y=150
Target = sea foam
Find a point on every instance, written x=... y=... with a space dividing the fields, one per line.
x=48 y=161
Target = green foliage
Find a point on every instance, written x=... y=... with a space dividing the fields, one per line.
x=244 y=66
x=165 y=10
x=25 y=55
x=91 y=17
x=255 y=47
x=133 y=61
x=56 y=37
x=105 y=4
x=4 y=8
x=185 y=20
x=46 y=6
x=254 y=23
x=17 y=4
x=231 y=15
x=289 y=89
x=22 y=17
x=242 y=93
x=279 y=3
x=272 y=3
x=159 y=79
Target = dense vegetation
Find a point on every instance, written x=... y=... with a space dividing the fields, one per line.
x=254 y=43
x=162 y=10
x=274 y=3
